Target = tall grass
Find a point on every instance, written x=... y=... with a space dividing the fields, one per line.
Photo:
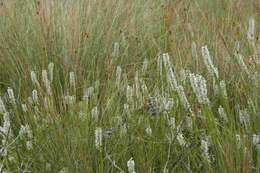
x=129 y=86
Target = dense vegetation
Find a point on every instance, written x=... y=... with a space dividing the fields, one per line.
x=129 y=86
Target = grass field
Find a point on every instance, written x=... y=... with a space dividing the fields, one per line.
x=129 y=86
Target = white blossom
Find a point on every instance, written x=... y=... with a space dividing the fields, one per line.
x=168 y=104
x=6 y=124
x=205 y=149
x=24 y=107
x=223 y=88
x=222 y=113
x=25 y=131
x=70 y=99
x=46 y=82
x=98 y=137
x=64 y=170
x=166 y=60
x=35 y=96
x=34 y=78
x=50 y=70
x=181 y=139
x=5 y=133
x=115 y=52
x=251 y=29
x=148 y=131
x=199 y=87
x=256 y=139
x=188 y=122
x=131 y=165
x=10 y=93
x=2 y=106
x=88 y=92
x=29 y=145
x=244 y=118
x=208 y=62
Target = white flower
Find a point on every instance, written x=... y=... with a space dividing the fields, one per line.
x=25 y=131
x=199 y=87
x=70 y=100
x=46 y=82
x=148 y=131
x=205 y=149
x=168 y=105
x=64 y=170
x=115 y=52
x=34 y=78
x=244 y=118
x=222 y=113
x=256 y=139
x=208 y=61
x=10 y=93
x=35 y=96
x=223 y=88
x=188 y=122
x=2 y=106
x=181 y=139
x=88 y=93
x=131 y=165
x=29 y=145
x=24 y=107
x=251 y=29
x=50 y=70
x=99 y=137
x=6 y=125
x=166 y=60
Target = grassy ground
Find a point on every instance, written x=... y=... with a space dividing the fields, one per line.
x=129 y=86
